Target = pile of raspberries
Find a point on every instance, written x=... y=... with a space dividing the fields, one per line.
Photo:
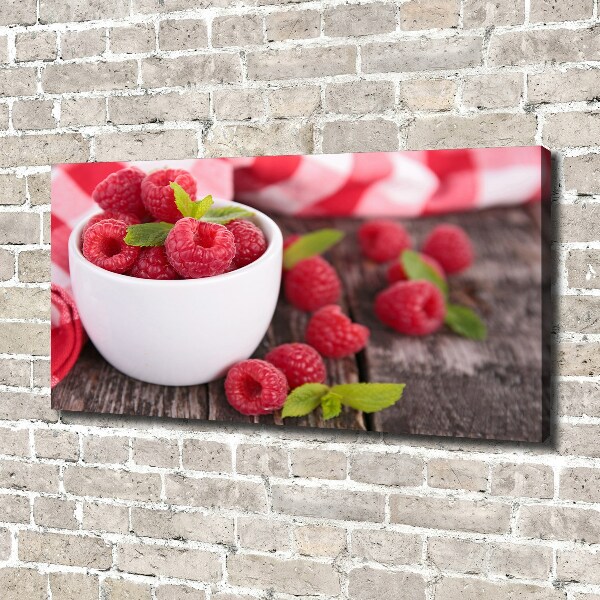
x=417 y=307
x=192 y=249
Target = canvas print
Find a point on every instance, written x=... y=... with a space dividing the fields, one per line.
x=399 y=292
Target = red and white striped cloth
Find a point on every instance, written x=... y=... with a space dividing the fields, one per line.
x=396 y=184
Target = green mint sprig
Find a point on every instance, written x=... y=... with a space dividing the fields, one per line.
x=188 y=207
x=148 y=234
x=416 y=268
x=309 y=245
x=224 y=214
x=460 y=319
x=465 y=322
x=366 y=397
x=155 y=234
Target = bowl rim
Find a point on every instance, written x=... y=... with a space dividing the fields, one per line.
x=275 y=243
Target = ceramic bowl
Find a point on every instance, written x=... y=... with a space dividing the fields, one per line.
x=183 y=332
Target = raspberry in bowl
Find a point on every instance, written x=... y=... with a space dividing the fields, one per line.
x=176 y=331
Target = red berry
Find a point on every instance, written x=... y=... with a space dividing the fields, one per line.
x=199 y=249
x=299 y=363
x=311 y=284
x=152 y=263
x=159 y=198
x=451 y=247
x=334 y=335
x=127 y=218
x=121 y=192
x=411 y=307
x=250 y=242
x=395 y=271
x=255 y=387
x=103 y=246
x=383 y=240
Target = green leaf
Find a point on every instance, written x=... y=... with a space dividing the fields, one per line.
x=202 y=206
x=331 y=405
x=465 y=322
x=148 y=234
x=186 y=206
x=304 y=399
x=416 y=268
x=369 y=397
x=183 y=201
x=224 y=214
x=310 y=245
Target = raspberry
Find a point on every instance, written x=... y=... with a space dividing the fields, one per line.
x=103 y=246
x=451 y=247
x=159 y=198
x=121 y=191
x=152 y=263
x=255 y=387
x=299 y=363
x=411 y=307
x=383 y=240
x=334 y=335
x=127 y=218
x=311 y=284
x=395 y=271
x=250 y=242
x=199 y=249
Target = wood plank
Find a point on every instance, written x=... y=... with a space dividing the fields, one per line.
x=455 y=386
x=95 y=386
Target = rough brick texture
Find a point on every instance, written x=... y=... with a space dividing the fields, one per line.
x=123 y=509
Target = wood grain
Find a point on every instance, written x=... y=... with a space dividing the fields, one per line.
x=455 y=387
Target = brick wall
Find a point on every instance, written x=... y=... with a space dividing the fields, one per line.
x=96 y=507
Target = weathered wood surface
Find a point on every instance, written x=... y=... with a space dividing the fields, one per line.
x=456 y=387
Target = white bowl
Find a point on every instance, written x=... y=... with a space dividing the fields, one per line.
x=183 y=332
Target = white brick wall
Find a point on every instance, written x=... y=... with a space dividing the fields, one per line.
x=103 y=508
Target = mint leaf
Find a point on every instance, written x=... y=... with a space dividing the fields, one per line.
x=369 y=397
x=331 y=405
x=416 y=268
x=184 y=203
x=304 y=399
x=186 y=206
x=465 y=322
x=225 y=214
x=148 y=234
x=201 y=207
x=310 y=245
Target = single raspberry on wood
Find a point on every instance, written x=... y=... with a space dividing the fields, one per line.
x=250 y=242
x=411 y=307
x=121 y=192
x=255 y=387
x=334 y=335
x=451 y=247
x=152 y=263
x=159 y=198
x=199 y=249
x=300 y=363
x=128 y=218
x=311 y=284
x=103 y=246
x=382 y=240
x=395 y=271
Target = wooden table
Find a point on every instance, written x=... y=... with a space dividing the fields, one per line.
x=455 y=387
